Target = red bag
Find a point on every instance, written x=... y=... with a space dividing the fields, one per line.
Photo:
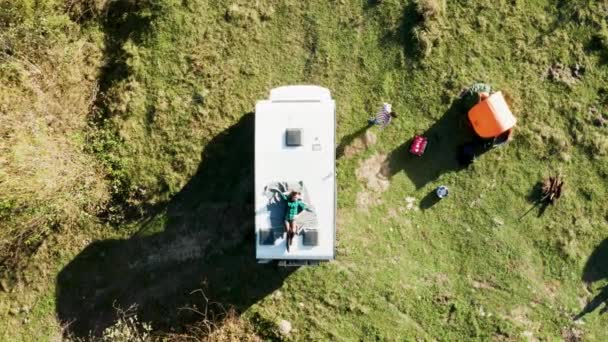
x=418 y=145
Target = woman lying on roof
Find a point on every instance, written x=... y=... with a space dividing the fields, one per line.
x=294 y=207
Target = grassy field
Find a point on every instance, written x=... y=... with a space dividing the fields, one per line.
x=126 y=169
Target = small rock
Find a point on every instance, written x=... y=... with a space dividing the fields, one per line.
x=13 y=311
x=498 y=221
x=370 y=139
x=410 y=203
x=527 y=334
x=284 y=327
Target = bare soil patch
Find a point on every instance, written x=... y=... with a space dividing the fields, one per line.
x=565 y=74
x=370 y=173
x=360 y=144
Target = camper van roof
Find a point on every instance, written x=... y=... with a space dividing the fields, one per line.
x=300 y=93
x=295 y=150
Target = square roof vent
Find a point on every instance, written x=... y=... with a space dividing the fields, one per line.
x=293 y=137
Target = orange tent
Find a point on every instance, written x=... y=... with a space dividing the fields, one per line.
x=492 y=117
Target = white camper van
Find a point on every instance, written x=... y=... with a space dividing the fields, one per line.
x=295 y=151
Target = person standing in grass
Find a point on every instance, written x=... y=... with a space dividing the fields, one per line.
x=384 y=116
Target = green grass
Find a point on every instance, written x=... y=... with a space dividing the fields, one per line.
x=171 y=128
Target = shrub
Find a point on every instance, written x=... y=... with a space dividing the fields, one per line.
x=215 y=323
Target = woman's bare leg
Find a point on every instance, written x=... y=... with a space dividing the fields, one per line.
x=292 y=231
x=288 y=234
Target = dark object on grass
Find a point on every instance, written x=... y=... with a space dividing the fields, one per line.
x=466 y=155
x=600 y=121
x=546 y=192
x=501 y=139
x=552 y=189
x=601 y=297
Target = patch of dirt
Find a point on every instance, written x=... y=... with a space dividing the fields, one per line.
x=369 y=172
x=552 y=288
x=339 y=220
x=360 y=144
x=411 y=203
x=438 y=279
x=441 y=279
x=366 y=199
x=572 y=334
x=598 y=119
x=482 y=285
x=520 y=316
x=565 y=74
x=393 y=213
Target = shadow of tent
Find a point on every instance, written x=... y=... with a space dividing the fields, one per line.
x=596 y=269
x=206 y=241
x=445 y=138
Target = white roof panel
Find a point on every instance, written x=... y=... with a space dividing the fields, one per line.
x=309 y=168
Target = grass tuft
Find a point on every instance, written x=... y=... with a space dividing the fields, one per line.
x=428 y=32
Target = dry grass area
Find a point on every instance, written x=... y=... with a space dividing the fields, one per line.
x=231 y=328
x=48 y=83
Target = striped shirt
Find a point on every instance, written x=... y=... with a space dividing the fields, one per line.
x=383 y=118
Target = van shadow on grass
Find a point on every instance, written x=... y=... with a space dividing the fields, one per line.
x=596 y=269
x=203 y=239
x=445 y=140
x=349 y=139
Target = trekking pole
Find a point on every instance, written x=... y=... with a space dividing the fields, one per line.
x=536 y=204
